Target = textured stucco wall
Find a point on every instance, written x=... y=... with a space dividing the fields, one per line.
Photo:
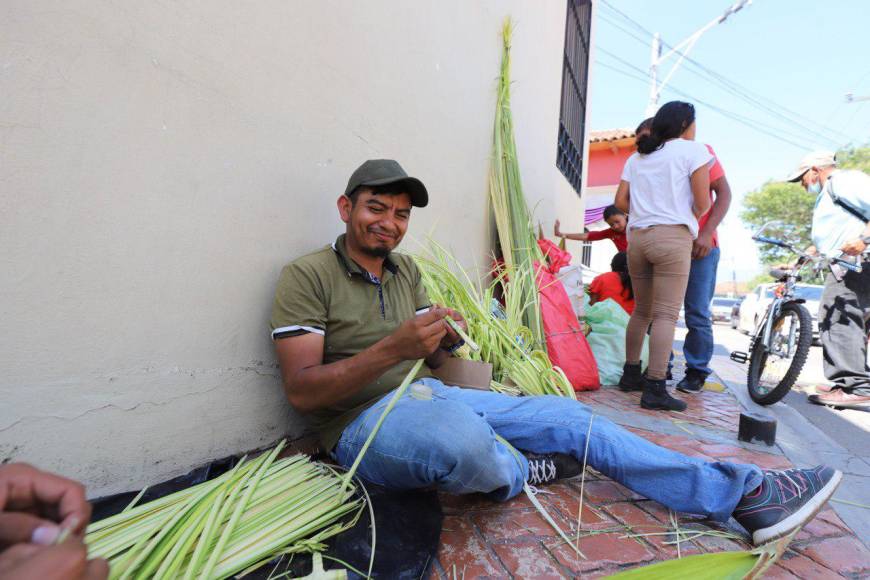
x=161 y=161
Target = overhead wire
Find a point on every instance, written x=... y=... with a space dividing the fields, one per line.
x=751 y=123
x=754 y=99
x=707 y=104
x=858 y=108
x=792 y=115
x=761 y=102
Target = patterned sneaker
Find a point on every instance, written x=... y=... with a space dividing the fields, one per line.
x=548 y=468
x=785 y=501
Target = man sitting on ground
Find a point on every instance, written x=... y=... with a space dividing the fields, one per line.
x=348 y=322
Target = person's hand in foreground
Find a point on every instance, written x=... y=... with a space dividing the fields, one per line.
x=36 y=510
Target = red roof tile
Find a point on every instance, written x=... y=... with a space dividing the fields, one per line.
x=610 y=135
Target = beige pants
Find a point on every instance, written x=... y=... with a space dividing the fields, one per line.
x=659 y=258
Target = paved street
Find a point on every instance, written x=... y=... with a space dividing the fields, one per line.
x=807 y=434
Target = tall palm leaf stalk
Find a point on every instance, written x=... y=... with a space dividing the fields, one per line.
x=516 y=236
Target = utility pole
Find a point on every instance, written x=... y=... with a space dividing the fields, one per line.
x=655 y=58
x=682 y=49
x=733 y=277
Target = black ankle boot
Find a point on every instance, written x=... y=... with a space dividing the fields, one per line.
x=655 y=396
x=631 y=379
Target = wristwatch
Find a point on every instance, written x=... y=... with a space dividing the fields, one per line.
x=454 y=347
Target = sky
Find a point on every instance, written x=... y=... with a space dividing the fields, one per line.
x=794 y=59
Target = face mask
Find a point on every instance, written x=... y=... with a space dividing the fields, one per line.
x=815 y=188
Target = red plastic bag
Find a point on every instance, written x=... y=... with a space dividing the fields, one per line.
x=566 y=343
x=556 y=257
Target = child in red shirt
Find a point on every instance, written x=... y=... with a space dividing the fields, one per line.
x=615 y=285
x=615 y=218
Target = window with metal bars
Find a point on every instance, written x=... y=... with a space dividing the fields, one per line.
x=586 y=254
x=575 y=76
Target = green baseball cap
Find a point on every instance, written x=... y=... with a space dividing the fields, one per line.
x=385 y=172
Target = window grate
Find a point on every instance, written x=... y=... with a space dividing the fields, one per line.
x=586 y=254
x=575 y=76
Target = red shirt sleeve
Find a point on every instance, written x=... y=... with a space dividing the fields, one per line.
x=716 y=170
x=600 y=235
x=597 y=284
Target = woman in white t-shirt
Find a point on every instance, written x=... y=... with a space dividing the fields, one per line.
x=665 y=187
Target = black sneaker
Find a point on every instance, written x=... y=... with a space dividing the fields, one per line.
x=693 y=382
x=785 y=501
x=655 y=396
x=548 y=468
x=631 y=379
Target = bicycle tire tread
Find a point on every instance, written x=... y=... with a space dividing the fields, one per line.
x=797 y=364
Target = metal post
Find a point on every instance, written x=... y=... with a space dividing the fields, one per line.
x=683 y=48
x=653 y=74
x=733 y=277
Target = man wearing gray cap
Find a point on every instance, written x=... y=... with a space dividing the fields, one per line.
x=351 y=319
x=840 y=226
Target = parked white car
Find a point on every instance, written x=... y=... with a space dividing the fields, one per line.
x=720 y=308
x=753 y=306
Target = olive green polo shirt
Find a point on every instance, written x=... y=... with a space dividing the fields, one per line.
x=327 y=293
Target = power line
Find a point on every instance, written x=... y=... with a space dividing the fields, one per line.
x=737 y=90
x=627 y=17
x=612 y=22
x=753 y=102
x=751 y=123
x=719 y=77
x=762 y=108
x=684 y=93
x=855 y=85
x=755 y=99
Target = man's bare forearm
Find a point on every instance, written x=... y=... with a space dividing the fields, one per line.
x=319 y=386
x=720 y=205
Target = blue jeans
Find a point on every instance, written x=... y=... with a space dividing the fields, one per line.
x=698 y=346
x=449 y=442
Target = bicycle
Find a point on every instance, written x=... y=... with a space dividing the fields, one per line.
x=782 y=338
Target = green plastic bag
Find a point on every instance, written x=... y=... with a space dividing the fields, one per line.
x=607 y=322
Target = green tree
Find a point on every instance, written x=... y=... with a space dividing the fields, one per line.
x=854 y=158
x=790 y=207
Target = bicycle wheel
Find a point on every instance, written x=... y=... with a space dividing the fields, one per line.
x=772 y=373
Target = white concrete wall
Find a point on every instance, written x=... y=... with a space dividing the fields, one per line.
x=160 y=162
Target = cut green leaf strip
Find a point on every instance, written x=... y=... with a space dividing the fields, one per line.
x=242 y=519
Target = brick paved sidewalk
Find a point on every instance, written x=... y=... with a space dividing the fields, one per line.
x=484 y=539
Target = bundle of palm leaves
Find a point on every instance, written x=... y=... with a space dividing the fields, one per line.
x=503 y=340
x=234 y=523
x=517 y=242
